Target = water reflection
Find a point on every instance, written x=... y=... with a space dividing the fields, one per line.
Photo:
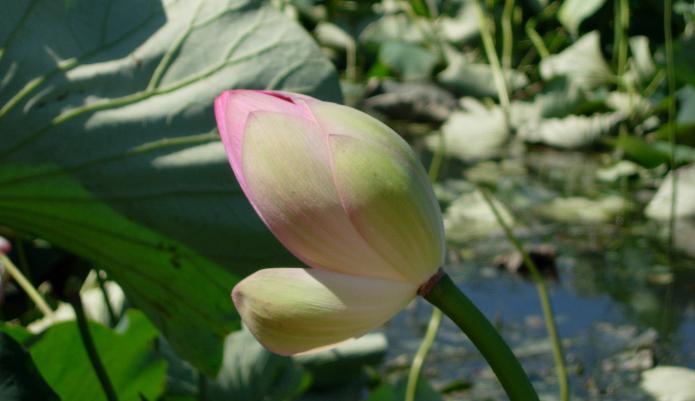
x=623 y=301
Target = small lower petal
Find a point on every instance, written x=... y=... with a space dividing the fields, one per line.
x=293 y=310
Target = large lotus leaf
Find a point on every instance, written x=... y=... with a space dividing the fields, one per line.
x=108 y=148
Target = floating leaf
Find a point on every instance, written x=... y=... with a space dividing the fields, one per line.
x=478 y=133
x=659 y=208
x=411 y=101
x=577 y=209
x=469 y=217
x=329 y=34
x=642 y=66
x=108 y=148
x=572 y=131
x=461 y=27
x=582 y=63
x=390 y=27
x=475 y=79
x=410 y=61
x=629 y=104
x=669 y=383
x=573 y=12
x=559 y=98
x=619 y=170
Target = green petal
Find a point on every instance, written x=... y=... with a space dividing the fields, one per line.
x=339 y=120
x=293 y=310
x=289 y=179
x=390 y=201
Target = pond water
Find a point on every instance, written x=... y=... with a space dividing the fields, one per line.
x=623 y=301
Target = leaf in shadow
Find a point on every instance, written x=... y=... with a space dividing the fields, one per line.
x=108 y=146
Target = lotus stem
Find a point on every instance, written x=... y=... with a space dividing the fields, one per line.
x=423 y=350
x=548 y=315
x=446 y=296
x=90 y=348
x=26 y=285
x=671 y=76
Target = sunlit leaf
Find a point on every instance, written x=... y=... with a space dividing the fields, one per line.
x=571 y=131
x=468 y=78
x=462 y=26
x=578 y=209
x=642 y=65
x=573 y=12
x=659 y=207
x=477 y=133
x=669 y=383
x=470 y=217
x=582 y=63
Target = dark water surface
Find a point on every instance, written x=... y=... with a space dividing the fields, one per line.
x=623 y=302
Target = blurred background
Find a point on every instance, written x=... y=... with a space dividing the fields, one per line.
x=576 y=118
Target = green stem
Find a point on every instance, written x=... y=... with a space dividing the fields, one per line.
x=507 y=35
x=436 y=317
x=425 y=26
x=548 y=315
x=671 y=76
x=104 y=292
x=437 y=158
x=536 y=39
x=92 y=353
x=26 y=286
x=491 y=53
x=620 y=32
x=459 y=308
x=425 y=346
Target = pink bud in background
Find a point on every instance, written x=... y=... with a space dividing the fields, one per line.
x=5 y=246
x=347 y=196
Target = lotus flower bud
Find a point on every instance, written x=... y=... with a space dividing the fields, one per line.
x=346 y=195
